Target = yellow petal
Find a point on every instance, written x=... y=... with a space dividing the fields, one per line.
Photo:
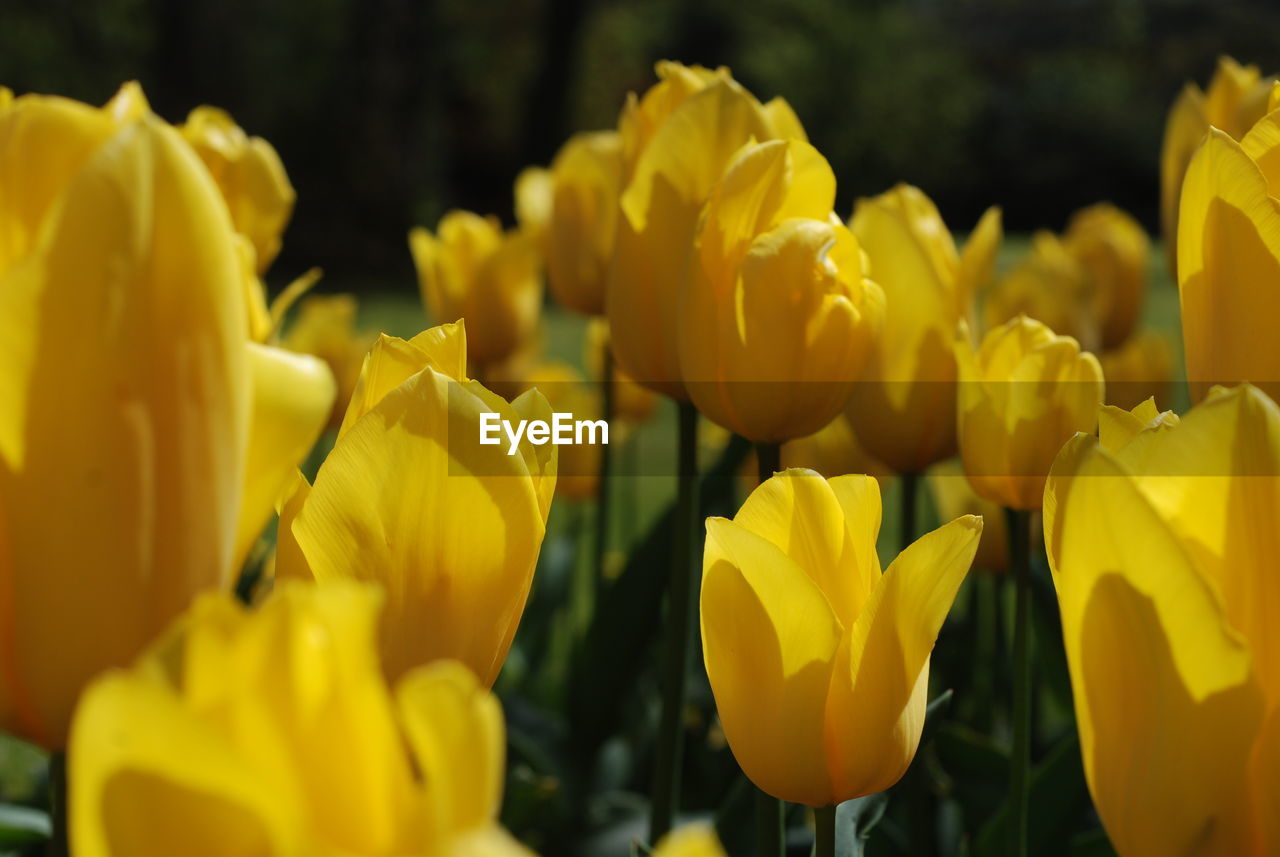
x=151 y=779
x=132 y=313
x=1184 y=128
x=289 y=559
x=455 y=728
x=768 y=637
x=690 y=840
x=1228 y=267
x=292 y=395
x=978 y=259
x=875 y=709
x=392 y=361
x=1147 y=644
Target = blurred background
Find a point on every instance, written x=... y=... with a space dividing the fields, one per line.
x=389 y=112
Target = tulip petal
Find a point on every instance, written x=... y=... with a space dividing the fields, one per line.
x=151 y=780
x=1162 y=685
x=292 y=396
x=455 y=728
x=978 y=259
x=875 y=710
x=392 y=361
x=768 y=637
x=1184 y=128
x=1228 y=269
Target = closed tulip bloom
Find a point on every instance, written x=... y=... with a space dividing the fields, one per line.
x=903 y=409
x=1023 y=394
x=1237 y=98
x=953 y=497
x=410 y=497
x=250 y=176
x=833 y=450
x=778 y=317
x=586 y=180
x=273 y=733
x=1229 y=260
x=1114 y=250
x=533 y=200
x=578 y=465
x=1162 y=540
x=1050 y=285
x=819 y=662
x=1140 y=369
x=676 y=141
x=471 y=269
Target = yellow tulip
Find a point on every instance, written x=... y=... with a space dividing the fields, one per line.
x=470 y=269
x=409 y=497
x=273 y=733
x=586 y=180
x=676 y=141
x=326 y=328
x=818 y=662
x=778 y=317
x=533 y=203
x=1050 y=285
x=903 y=409
x=1229 y=260
x=1162 y=541
x=1237 y=98
x=833 y=450
x=630 y=400
x=954 y=496
x=250 y=175
x=1140 y=369
x=1114 y=250
x=690 y=840
x=578 y=467
x=1023 y=394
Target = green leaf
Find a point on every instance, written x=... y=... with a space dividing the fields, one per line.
x=855 y=819
x=22 y=825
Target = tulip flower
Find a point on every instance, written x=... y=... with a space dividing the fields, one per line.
x=778 y=317
x=250 y=176
x=326 y=328
x=819 y=662
x=470 y=269
x=1237 y=98
x=1161 y=538
x=833 y=450
x=690 y=840
x=1114 y=250
x=1023 y=394
x=1050 y=285
x=676 y=141
x=273 y=733
x=578 y=467
x=904 y=408
x=586 y=179
x=533 y=203
x=1140 y=369
x=1229 y=260
x=409 y=497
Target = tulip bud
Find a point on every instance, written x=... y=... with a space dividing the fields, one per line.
x=250 y=176
x=1237 y=98
x=1229 y=260
x=1140 y=369
x=1050 y=285
x=470 y=269
x=903 y=410
x=778 y=317
x=954 y=496
x=676 y=142
x=586 y=180
x=1161 y=540
x=411 y=498
x=1023 y=394
x=819 y=662
x=225 y=733
x=1113 y=250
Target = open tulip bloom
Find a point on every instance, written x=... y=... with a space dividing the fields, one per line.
x=1162 y=539
x=819 y=661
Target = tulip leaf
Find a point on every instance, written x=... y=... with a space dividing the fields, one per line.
x=1059 y=799
x=22 y=825
x=855 y=820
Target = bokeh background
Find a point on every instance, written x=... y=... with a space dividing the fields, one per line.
x=389 y=112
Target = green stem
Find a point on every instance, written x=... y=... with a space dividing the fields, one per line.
x=824 y=823
x=680 y=599
x=910 y=485
x=770 y=839
x=604 y=485
x=1020 y=759
x=59 y=844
